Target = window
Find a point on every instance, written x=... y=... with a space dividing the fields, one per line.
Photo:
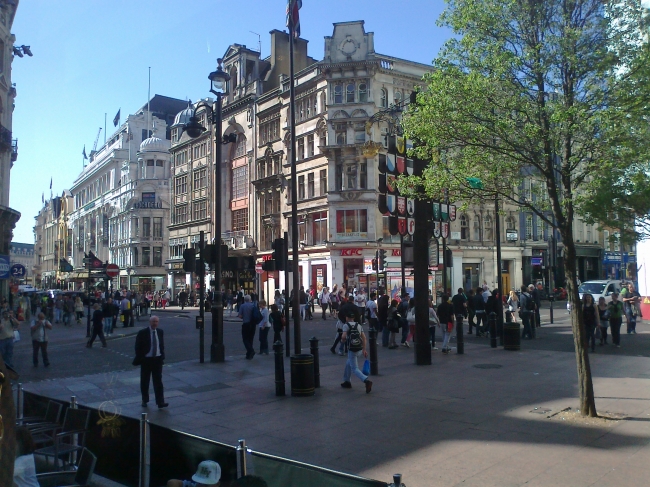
x=157 y=227
x=359 y=135
x=135 y=228
x=136 y=260
x=240 y=148
x=323 y=102
x=363 y=175
x=319 y=227
x=487 y=228
x=477 y=228
x=606 y=243
x=383 y=98
x=464 y=228
x=323 y=182
x=510 y=223
x=340 y=130
x=269 y=131
x=529 y=227
x=301 y=149
x=200 y=178
x=146 y=256
x=540 y=230
x=301 y=187
x=338 y=93
x=146 y=227
x=352 y=223
x=322 y=140
x=157 y=256
x=146 y=134
x=349 y=93
x=240 y=182
x=261 y=170
x=310 y=185
x=310 y=145
x=181 y=184
x=180 y=214
x=397 y=95
x=240 y=220
x=363 y=93
x=338 y=176
x=200 y=209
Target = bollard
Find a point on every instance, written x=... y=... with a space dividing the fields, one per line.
x=374 y=362
x=144 y=451
x=313 y=344
x=279 y=368
x=20 y=401
x=492 y=324
x=73 y=402
x=550 y=299
x=75 y=438
x=397 y=480
x=241 y=457
x=460 y=339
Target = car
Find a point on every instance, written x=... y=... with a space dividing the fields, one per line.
x=598 y=289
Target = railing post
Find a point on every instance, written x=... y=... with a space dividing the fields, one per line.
x=313 y=345
x=75 y=438
x=492 y=323
x=397 y=480
x=241 y=457
x=143 y=480
x=20 y=401
x=279 y=368
x=374 y=361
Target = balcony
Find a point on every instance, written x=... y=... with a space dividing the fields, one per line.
x=237 y=240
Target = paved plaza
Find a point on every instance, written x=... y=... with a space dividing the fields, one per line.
x=478 y=419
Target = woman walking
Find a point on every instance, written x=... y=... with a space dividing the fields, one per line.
x=615 y=319
x=394 y=323
x=265 y=326
x=603 y=315
x=513 y=305
x=410 y=319
x=591 y=320
x=446 y=318
x=324 y=302
x=334 y=301
x=78 y=309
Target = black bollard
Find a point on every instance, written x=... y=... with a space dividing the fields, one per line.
x=460 y=338
x=374 y=363
x=550 y=299
x=492 y=324
x=313 y=344
x=278 y=348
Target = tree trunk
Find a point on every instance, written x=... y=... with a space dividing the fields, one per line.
x=585 y=384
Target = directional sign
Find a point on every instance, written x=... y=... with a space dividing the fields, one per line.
x=112 y=270
x=17 y=270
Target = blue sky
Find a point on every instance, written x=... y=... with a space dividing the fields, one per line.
x=92 y=56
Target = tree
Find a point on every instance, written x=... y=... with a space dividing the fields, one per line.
x=526 y=97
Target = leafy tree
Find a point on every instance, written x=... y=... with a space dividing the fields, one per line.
x=530 y=90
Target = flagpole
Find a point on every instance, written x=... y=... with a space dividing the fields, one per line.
x=149 y=103
x=104 y=128
x=294 y=197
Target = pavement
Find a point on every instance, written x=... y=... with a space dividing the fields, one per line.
x=486 y=418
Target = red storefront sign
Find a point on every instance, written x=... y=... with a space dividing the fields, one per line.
x=396 y=252
x=351 y=252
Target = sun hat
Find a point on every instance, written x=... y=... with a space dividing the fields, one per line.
x=207 y=473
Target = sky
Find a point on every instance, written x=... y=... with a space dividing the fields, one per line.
x=92 y=57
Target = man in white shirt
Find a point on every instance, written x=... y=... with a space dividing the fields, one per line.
x=371 y=306
x=149 y=355
x=360 y=302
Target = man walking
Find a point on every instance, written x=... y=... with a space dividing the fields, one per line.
x=39 y=338
x=360 y=302
x=459 y=302
x=125 y=308
x=615 y=308
x=536 y=294
x=356 y=339
x=382 y=317
x=149 y=355
x=247 y=326
x=479 y=311
x=526 y=311
x=7 y=326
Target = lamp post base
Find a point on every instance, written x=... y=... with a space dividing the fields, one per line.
x=217 y=349
x=217 y=353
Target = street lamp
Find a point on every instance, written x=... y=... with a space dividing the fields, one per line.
x=218 y=86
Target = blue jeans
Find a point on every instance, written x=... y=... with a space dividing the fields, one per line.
x=525 y=320
x=108 y=325
x=7 y=350
x=352 y=367
x=264 y=340
x=385 y=333
x=57 y=314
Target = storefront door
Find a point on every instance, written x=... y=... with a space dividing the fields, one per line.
x=318 y=277
x=471 y=276
x=352 y=267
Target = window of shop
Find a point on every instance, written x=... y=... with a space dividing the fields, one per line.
x=157 y=256
x=352 y=267
x=157 y=227
x=240 y=220
x=352 y=223
x=239 y=182
x=319 y=227
x=146 y=256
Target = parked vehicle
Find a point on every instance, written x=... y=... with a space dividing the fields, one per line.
x=600 y=288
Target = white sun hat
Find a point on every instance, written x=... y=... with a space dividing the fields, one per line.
x=208 y=473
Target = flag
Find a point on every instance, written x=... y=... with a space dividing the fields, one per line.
x=43 y=197
x=50 y=183
x=116 y=120
x=84 y=153
x=293 y=16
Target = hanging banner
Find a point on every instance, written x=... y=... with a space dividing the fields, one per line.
x=400 y=145
x=401 y=226
x=452 y=213
x=444 y=229
x=436 y=211
x=401 y=205
x=434 y=255
x=436 y=229
x=410 y=206
x=444 y=213
x=410 y=224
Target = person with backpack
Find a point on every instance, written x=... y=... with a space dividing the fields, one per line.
x=526 y=312
x=250 y=319
x=356 y=339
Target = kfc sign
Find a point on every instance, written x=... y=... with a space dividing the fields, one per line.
x=396 y=253
x=351 y=252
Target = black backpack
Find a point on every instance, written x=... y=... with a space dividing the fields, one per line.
x=530 y=303
x=355 y=343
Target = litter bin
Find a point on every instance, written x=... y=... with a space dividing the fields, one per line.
x=511 y=336
x=302 y=375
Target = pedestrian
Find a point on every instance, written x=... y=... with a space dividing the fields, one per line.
x=479 y=310
x=277 y=320
x=277 y=300
x=615 y=319
x=78 y=309
x=394 y=321
x=632 y=312
x=513 y=305
x=265 y=327
x=410 y=320
x=182 y=299
x=207 y=475
x=371 y=311
x=98 y=326
x=446 y=320
x=150 y=355
x=534 y=319
x=495 y=305
x=107 y=312
x=125 y=308
x=334 y=301
x=434 y=322
x=247 y=326
x=360 y=302
x=309 y=301
x=39 y=338
x=526 y=311
x=58 y=310
x=590 y=319
x=302 y=297
x=402 y=310
x=356 y=339
x=459 y=302
x=8 y=324
x=382 y=317
x=324 y=302
x=603 y=316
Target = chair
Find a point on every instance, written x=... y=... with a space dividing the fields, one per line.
x=81 y=477
x=71 y=438
x=51 y=418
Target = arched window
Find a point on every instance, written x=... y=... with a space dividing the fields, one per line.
x=383 y=98
x=464 y=227
x=349 y=93
x=240 y=148
x=510 y=223
x=338 y=94
x=363 y=93
x=477 y=228
x=397 y=95
x=529 y=227
x=323 y=102
x=487 y=228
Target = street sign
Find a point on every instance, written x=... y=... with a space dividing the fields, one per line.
x=258 y=268
x=112 y=270
x=4 y=267
x=17 y=270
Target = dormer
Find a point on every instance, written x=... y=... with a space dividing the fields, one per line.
x=243 y=66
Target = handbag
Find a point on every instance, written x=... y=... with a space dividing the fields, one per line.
x=450 y=326
x=16 y=336
x=366 y=367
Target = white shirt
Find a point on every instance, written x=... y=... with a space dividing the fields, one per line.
x=360 y=300
x=25 y=472
x=372 y=307
x=151 y=352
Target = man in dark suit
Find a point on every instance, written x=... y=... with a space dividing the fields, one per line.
x=149 y=355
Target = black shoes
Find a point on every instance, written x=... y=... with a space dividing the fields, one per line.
x=163 y=405
x=346 y=385
x=368 y=384
x=144 y=404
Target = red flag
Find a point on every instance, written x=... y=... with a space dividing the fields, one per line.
x=293 y=16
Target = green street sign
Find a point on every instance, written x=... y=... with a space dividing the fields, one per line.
x=475 y=183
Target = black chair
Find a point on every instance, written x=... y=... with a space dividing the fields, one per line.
x=71 y=438
x=81 y=477
x=51 y=418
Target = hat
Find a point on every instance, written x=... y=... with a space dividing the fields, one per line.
x=350 y=314
x=530 y=286
x=208 y=473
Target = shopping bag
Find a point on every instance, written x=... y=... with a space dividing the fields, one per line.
x=16 y=336
x=366 y=367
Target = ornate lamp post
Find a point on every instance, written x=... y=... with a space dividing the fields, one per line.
x=218 y=86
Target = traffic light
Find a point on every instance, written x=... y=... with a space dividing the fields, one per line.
x=189 y=256
x=279 y=254
x=449 y=262
x=269 y=265
x=381 y=261
x=374 y=264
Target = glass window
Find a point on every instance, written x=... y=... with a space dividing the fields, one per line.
x=349 y=93
x=310 y=185
x=383 y=98
x=529 y=227
x=180 y=214
x=487 y=228
x=310 y=145
x=301 y=187
x=240 y=182
x=136 y=259
x=146 y=227
x=240 y=149
x=200 y=210
x=200 y=178
x=477 y=228
x=157 y=227
x=319 y=227
x=464 y=228
x=540 y=231
x=363 y=94
x=240 y=220
x=323 y=182
x=323 y=103
x=398 y=96
x=339 y=177
x=135 y=228
x=146 y=256
x=301 y=149
x=157 y=256
x=352 y=223
x=338 y=93
x=181 y=184
x=359 y=135
x=363 y=175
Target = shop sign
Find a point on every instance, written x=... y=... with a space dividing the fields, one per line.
x=227 y=274
x=367 y=266
x=177 y=266
x=4 y=266
x=351 y=252
x=511 y=235
x=396 y=253
x=246 y=275
x=267 y=257
x=146 y=205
